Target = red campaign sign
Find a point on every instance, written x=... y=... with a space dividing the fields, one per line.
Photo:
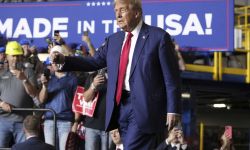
x=81 y=106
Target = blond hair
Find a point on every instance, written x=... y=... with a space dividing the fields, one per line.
x=134 y=4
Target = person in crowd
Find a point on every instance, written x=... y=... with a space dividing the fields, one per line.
x=116 y=139
x=181 y=61
x=25 y=43
x=174 y=141
x=86 y=49
x=58 y=40
x=143 y=93
x=3 y=61
x=17 y=87
x=31 y=127
x=226 y=142
x=31 y=58
x=57 y=93
x=96 y=138
x=81 y=50
x=90 y=47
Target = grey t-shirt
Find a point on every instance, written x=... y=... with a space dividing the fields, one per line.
x=13 y=92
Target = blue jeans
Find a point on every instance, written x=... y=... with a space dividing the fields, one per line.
x=9 y=129
x=96 y=138
x=63 y=129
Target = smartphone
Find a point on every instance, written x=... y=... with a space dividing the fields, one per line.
x=86 y=33
x=56 y=32
x=228 y=131
x=19 y=66
x=46 y=73
x=177 y=126
x=102 y=71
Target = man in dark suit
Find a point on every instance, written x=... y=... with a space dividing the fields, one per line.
x=31 y=126
x=174 y=141
x=144 y=84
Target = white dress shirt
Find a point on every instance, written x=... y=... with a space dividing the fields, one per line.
x=178 y=145
x=134 y=38
x=120 y=147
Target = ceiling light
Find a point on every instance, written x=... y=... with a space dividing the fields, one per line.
x=219 y=105
x=185 y=95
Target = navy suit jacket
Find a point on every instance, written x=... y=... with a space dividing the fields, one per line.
x=164 y=146
x=33 y=143
x=154 y=77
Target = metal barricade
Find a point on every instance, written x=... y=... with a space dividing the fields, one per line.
x=38 y=110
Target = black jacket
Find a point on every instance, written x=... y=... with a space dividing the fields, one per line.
x=33 y=143
x=165 y=146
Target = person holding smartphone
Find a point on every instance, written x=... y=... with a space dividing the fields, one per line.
x=175 y=140
x=86 y=39
x=58 y=40
x=57 y=93
x=226 y=139
x=96 y=138
x=16 y=90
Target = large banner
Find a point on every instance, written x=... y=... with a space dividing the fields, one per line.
x=206 y=25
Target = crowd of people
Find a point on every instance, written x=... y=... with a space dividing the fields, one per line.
x=138 y=87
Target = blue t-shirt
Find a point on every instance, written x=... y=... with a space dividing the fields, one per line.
x=60 y=96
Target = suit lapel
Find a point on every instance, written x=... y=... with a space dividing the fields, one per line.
x=143 y=35
x=117 y=47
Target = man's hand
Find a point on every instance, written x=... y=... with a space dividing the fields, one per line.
x=85 y=38
x=180 y=137
x=6 y=107
x=74 y=127
x=19 y=74
x=44 y=80
x=225 y=142
x=172 y=120
x=172 y=135
x=98 y=80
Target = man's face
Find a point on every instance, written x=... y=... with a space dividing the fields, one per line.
x=26 y=50
x=84 y=51
x=125 y=16
x=115 y=136
x=55 y=66
x=14 y=60
x=2 y=60
x=2 y=57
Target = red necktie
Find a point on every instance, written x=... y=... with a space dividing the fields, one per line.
x=123 y=67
